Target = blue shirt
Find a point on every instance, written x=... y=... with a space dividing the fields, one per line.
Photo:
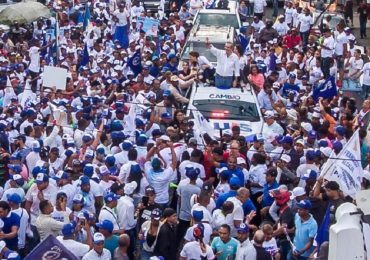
x=287 y=87
x=303 y=232
x=247 y=206
x=267 y=200
x=10 y=221
x=228 y=249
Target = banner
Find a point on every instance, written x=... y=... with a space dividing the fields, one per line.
x=50 y=248
x=328 y=89
x=54 y=77
x=202 y=124
x=347 y=169
x=148 y=25
x=134 y=63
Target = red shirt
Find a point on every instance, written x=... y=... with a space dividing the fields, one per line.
x=292 y=41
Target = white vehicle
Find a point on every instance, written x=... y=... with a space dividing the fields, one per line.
x=224 y=108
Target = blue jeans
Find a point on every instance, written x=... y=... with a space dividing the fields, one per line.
x=275 y=6
x=304 y=36
x=223 y=81
x=145 y=255
x=365 y=91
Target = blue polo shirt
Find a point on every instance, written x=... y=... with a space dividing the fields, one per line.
x=303 y=232
x=9 y=221
x=267 y=200
x=247 y=206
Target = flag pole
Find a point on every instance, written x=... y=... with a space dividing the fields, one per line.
x=57 y=37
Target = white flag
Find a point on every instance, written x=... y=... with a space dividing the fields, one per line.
x=130 y=126
x=27 y=96
x=347 y=170
x=202 y=124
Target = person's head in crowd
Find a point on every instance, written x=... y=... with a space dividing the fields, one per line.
x=123 y=243
x=130 y=188
x=42 y=181
x=271 y=175
x=304 y=207
x=227 y=208
x=224 y=233
x=98 y=243
x=234 y=183
x=258 y=238
x=243 y=232
x=298 y=194
x=232 y=162
x=170 y=216
x=332 y=190
x=106 y=228
x=258 y=159
x=197 y=216
x=4 y=209
x=243 y=194
x=267 y=230
x=46 y=207
x=77 y=202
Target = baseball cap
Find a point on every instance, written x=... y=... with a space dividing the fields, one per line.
x=304 y=204
x=41 y=177
x=105 y=224
x=164 y=138
x=18 y=179
x=234 y=181
x=192 y=173
x=78 y=198
x=340 y=130
x=286 y=158
x=326 y=151
x=156 y=214
x=36 y=146
x=337 y=146
x=269 y=114
x=149 y=189
x=15 y=198
x=98 y=237
x=197 y=215
x=310 y=174
x=110 y=197
x=104 y=171
x=61 y=175
x=243 y=228
x=310 y=155
x=84 y=180
x=166 y=115
x=68 y=229
x=296 y=192
x=130 y=187
x=287 y=140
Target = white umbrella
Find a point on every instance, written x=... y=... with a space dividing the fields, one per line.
x=25 y=12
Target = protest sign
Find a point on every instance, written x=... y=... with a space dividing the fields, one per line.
x=54 y=76
x=148 y=25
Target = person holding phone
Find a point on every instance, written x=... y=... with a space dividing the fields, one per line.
x=149 y=233
x=147 y=205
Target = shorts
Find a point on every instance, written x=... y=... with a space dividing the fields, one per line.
x=340 y=62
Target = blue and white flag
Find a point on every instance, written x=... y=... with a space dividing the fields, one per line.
x=202 y=124
x=134 y=63
x=87 y=18
x=50 y=248
x=328 y=89
x=85 y=57
x=346 y=168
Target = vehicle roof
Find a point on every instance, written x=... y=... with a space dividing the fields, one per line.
x=227 y=94
x=232 y=9
x=215 y=34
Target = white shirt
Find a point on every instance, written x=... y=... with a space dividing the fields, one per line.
x=329 y=43
x=125 y=171
x=93 y=255
x=245 y=251
x=23 y=225
x=192 y=251
x=206 y=235
x=31 y=160
x=189 y=164
x=281 y=28
x=76 y=248
x=259 y=6
x=366 y=73
x=159 y=181
x=257 y=175
x=355 y=66
x=10 y=191
x=207 y=216
x=289 y=14
x=35 y=59
x=227 y=66
x=305 y=22
x=195 y=5
x=122 y=17
x=341 y=38
x=237 y=214
x=49 y=193
x=125 y=212
x=107 y=213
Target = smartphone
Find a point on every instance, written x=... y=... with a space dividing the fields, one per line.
x=145 y=200
x=82 y=222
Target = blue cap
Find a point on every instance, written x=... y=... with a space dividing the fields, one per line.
x=323 y=143
x=110 y=160
x=61 y=175
x=110 y=197
x=157 y=132
x=41 y=177
x=310 y=155
x=312 y=134
x=234 y=181
x=171 y=56
x=17 y=178
x=84 y=180
x=139 y=122
x=166 y=115
x=106 y=224
x=68 y=229
x=88 y=170
x=100 y=151
x=243 y=29
x=198 y=215
x=337 y=146
x=15 y=156
x=15 y=167
x=30 y=112
x=340 y=130
x=87 y=138
x=126 y=145
x=304 y=204
x=243 y=228
x=310 y=174
x=166 y=93
x=15 y=198
x=225 y=174
x=287 y=140
x=141 y=139
x=192 y=173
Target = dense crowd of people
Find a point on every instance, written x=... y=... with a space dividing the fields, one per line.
x=113 y=167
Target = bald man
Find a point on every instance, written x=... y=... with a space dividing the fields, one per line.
x=121 y=251
x=238 y=213
x=258 y=239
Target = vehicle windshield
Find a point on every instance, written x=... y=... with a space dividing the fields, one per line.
x=226 y=110
x=218 y=20
x=201 y=48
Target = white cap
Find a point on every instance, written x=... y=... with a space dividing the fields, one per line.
x=326 y=151
x=285 y=158
x=165 y=138
x=240 y=160
x=297 y=191
x=98 y=237
x=130 y=188
x=300 y=141
x=306 y=126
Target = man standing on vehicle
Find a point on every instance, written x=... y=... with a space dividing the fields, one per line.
x=228 y=68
